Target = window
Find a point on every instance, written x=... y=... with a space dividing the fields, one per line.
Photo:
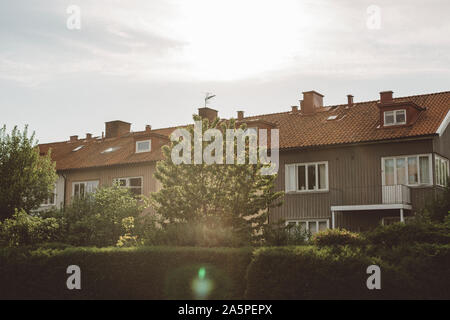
x=441 y=171
x=50 y=201
x=143 y=146
x=312 y=226
x=78 y=148
x=407 y=170
x=80 y=189
x=110 y=149
x=306 y=177
x=395 y=117
x=133 y=184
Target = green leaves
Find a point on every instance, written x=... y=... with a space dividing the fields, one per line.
x=27 y=178
x=232 y=196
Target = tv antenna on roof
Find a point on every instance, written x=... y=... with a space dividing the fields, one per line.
x=208 y=96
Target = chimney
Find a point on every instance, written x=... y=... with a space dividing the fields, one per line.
x=208 y=113
x=148 y=128
x=349 y=100
x=294 y=109
x=116 y=128
x=240 y=115
x=312 y=100
x=386 y=97
x=73 y=138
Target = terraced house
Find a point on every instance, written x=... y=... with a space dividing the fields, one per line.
x=352 y=166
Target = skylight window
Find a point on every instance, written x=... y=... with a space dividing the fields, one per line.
x=143 y=146
x=78 y=148
x=110 y=149
x=332 y=117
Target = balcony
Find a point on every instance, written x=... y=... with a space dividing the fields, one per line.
x=371 y=195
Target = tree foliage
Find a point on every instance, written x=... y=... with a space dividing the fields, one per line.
x=216 y=196
x=26 y=177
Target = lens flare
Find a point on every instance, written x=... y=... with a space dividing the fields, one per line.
x=201 y=286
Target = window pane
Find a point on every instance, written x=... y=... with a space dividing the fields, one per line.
x=135 y=182
x=401 y=171
x=400 y=116
x=143 y=146
x=322 y=176
x=311 y=177
x=424 y=165
x=436 y=169
x=389 y=172
x=77 y=189
x=303 y=226
x=301 y=178
x=122 y=182
x=389 y=117
x=322 y=225
x=412 y=170
x=312 y=227
x=136 y=191
x=81 y=189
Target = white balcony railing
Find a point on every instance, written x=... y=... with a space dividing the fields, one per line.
x=396 y=194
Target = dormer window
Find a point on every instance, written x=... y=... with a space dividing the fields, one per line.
x=395 y=117
x=143 y=146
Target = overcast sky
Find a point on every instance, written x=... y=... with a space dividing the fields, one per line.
x=151 y=62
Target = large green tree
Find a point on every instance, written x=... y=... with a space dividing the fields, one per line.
x=217 y=196
x=26 y=177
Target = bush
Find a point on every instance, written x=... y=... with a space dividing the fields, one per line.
x=279 y=234
x=96 y=220
x=24 y=229
x=408 y=234
x=129 y=273
x=334 y=237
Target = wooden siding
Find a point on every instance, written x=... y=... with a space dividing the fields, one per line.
x=105 y=176
x=354 y=175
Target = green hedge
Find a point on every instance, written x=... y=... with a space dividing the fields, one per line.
x=132 y=273
x=419 y=271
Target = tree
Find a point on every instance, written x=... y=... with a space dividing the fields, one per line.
x=216 y=196
x=26 y=177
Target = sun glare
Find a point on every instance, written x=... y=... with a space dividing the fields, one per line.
x=228 y=40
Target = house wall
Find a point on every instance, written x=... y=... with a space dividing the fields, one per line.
x=105 y=176
x=441 y=144
x=354 y=174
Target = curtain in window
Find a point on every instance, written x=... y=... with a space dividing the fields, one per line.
x=412 y=170
x=424 y=167
x=401 y=171
x=322 y=176
x=290 y=177
x=389 y=172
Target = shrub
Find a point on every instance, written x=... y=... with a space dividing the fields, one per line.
x=128 y=273
x=24 y=229
x=96 y=220
x=334 y=237
x=279 y=234
x=307 y=272
x=409 y=233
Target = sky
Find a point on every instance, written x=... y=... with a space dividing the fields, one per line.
x=67 y=66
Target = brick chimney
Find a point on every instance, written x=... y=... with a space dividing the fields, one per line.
x=116 y=128
x=88 y=136
x=73 y=138
x=349 y=100
x=312 y=101
x=240 y=115
x=148 y=128
x=208 y=113
x=294 y=109
x=386 y=97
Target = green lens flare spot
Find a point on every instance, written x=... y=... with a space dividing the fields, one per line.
x=202 y=273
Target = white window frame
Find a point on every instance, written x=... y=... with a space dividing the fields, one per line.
x=394 y=113
x=146 y=150
x=308 y=221
x=85 y=186
x=306 y=164
x=419 y=183
x=127 y=183
x=441 y=180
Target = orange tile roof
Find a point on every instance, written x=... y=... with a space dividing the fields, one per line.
x=357 y=124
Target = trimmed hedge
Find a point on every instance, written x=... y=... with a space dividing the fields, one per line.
x=418 y=271
x=415 y=272
x=130 y=273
